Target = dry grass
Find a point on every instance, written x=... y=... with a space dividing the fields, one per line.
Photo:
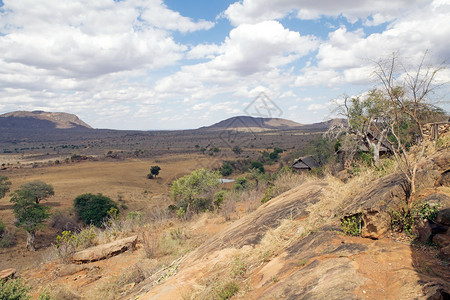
x=118 y=286
x=288 y=180
x=150 y=241
x=228 y=207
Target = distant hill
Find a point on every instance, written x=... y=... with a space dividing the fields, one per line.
x=251 y=122
x=40 y=120
x=269 y=124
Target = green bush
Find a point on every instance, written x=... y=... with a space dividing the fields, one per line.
x=193 y=192
x=352 y=225
x=241 y=183
x=274 y=156
x=228 y=290
x=404 y=219
x=14 y=289
x=226 y=169
x=93 y=209
x=2 y=228
x=218 y=198
x=269 y=193
x=258 y=166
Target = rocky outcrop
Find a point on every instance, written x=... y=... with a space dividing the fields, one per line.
x=250 y=229
x=375 y=204
x=389 y=193
x=104 y=251
x=7 y=273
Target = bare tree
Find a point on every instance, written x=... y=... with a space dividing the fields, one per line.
x=407 y=94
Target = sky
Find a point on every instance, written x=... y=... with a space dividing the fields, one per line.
x=177 y=64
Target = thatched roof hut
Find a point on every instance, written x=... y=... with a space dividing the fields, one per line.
x=305 y=163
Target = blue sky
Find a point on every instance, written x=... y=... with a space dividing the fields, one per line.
x=154 y=64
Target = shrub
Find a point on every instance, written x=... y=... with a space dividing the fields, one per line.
x=352 y=225
x=218 y=198
x=194 y=191
x=241 y=184
x=237 y=150
x=93 y=209
x=257 y=165
x=274 y=156
x=228 y=290
x=226 y=169
x=404 y=219
x=67 y=243
x=2 y=228
x=14 y=289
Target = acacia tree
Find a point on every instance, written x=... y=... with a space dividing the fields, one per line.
x=367 y=121
x=39 y=189
x=407 y=96
x=29 y=215
x=191 y=188
x=154 y=170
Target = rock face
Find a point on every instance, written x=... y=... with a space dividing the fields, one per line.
x=388 y=193
x=7 y=273
x=318 y=263
x=104 y=251
x=375 y=204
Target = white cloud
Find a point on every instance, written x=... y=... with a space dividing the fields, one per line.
x=157 y=14
x=204 y=51
x=254 y=11
x=249 y=51
x=349 y=56
x=88 y=39
x=316 y=106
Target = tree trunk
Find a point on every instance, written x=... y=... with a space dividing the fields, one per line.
x=376 y=155
x=375 y=147
x=31 y=236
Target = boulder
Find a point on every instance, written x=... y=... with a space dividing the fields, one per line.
x=442 y=239
x=441 y=160
x=426 y=178
x=7 y=273
x=104 y=251
x=444 y=180
x=375 y=204
x=443 y=201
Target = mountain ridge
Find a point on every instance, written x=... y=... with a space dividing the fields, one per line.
x=239 y=122
x=41 y=120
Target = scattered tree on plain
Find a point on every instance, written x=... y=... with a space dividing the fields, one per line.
x=29 y=215
x=154 y=170
x=40 y=190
